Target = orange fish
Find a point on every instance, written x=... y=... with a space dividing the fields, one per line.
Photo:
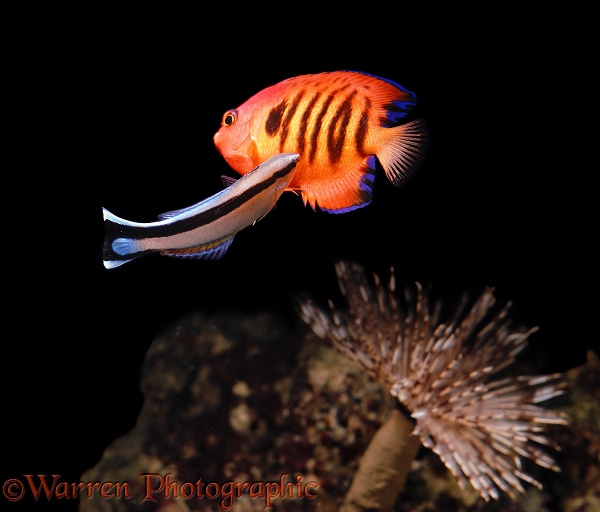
x=340 y=123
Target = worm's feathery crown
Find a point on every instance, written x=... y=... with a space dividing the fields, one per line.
x=441 y=371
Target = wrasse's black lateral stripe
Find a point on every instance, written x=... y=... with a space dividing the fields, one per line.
x=208 y=216
x=281 y=117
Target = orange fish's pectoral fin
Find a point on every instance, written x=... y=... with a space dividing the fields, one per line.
x=343 y=193
x=209 y=251
x=403 y=152
x=240 y=163
x=245 y=158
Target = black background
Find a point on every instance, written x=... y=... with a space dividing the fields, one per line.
x=118 y=109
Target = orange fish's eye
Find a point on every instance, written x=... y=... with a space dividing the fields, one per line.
x=229 y=117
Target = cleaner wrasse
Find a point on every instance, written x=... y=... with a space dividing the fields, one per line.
x=206 y=229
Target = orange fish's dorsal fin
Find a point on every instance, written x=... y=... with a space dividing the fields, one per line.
x=342 y=193
x=403 y=151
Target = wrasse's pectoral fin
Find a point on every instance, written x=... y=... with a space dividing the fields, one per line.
x=210 y=251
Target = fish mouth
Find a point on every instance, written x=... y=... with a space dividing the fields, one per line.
x=216 y=141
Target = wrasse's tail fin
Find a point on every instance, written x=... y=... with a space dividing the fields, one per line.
x=403 y=153
x=120 y=244
x=124 y=242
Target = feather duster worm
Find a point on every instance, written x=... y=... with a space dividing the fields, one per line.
x=443 y=373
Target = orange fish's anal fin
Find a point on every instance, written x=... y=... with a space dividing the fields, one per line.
x=342 y=193
x=403 y=151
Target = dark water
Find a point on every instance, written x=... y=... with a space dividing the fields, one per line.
x=123 y=117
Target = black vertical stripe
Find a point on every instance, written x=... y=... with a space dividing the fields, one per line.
x=287 y=120
x=336 y=135
x=314 y=138
x=304 y=123
x=363 y=128
x=274 y=119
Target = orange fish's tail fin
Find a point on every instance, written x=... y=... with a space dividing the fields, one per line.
x=404 y=151
x=342 y=193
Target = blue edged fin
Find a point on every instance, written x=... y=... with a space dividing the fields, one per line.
x=211 y=251
x=391 y=82
x=397 y=110
x=364 y=193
